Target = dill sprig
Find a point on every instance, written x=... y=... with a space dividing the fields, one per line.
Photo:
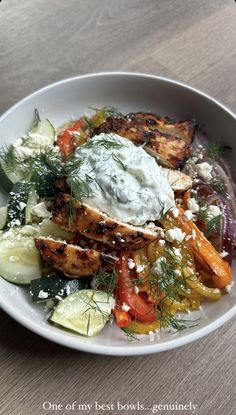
x=215 y=151
x=176 y=323
x=37 y=119
x=130 y=334
x=106 y=281
x=80 y=188
x=219 y=186
x=94 y=305
x=108 y=111
x=212 y=224
x=107 y=142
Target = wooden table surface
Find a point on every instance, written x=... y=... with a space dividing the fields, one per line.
x=42 y=41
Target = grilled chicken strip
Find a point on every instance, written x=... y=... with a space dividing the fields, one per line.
x=179 y=181
x=97 y=225
x=72 y=259
x=168 y=141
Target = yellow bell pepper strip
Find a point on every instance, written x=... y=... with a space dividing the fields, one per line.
x=139 y=327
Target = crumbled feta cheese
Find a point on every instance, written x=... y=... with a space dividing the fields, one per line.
x=229 y=287
x=188 y=215
x=161 y=242
x=131 y=263
x=22 y=205
x=223 y=254
x=177 y=272
x=136 y=289
x=140 y=268
x=216 y=291
x=151 y=336
x=158 y=265
x=40 y=210
x=212 y=212
x=125 y=307
x=177 y=252
x=175 y=235
x=192 y=205
x=204 y=171
x=42 y=294
x=58 y=297
x=175 y=212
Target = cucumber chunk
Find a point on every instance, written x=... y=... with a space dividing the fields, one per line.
x=85 y=312
x=50 y=287
x=3 y=217
x=21 y=200
x=20 y=260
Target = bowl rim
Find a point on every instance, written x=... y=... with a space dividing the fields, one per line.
x=61 y=337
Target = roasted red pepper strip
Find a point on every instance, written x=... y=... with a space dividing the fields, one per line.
x=123 y=318
x=65 y=141
x=139 y=308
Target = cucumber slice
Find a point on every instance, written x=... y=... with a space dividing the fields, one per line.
x=85 y=312
x=19 y=260
x=9 y=177
x=22 y=198
x=51 y=229
x=50 y=287
x=3 y=217
x=44 y=128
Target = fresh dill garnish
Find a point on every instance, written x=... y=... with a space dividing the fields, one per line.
x=212 y=224
x=118 y=161
x=94 y=305
x=106 y=281
x=219 y=186
x=36 y=119
x=175 y=323
x=71 y=213
x=10 y=158
x=130 y=334
x=163 y=212
x=80 y=188
x=107 y=142
x=215 y=151
x=89 y=123
x=108 y=111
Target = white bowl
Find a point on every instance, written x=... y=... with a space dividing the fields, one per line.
x=128 y=92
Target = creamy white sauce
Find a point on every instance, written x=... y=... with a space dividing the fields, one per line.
x=127 y=183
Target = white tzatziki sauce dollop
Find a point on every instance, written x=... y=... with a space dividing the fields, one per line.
x=124 y=181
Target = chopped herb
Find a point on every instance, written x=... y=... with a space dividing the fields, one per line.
x=106 y=281
x=131 y=335
x=215 y=151
x=219 y=186
x=108 y=111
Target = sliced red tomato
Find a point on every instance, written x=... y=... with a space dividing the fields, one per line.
x=123 y=318
x=65 y=141
x=139 y=307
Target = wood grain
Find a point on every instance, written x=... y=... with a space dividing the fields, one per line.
x=42 y=41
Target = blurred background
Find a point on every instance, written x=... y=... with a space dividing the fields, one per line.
x=42 y=41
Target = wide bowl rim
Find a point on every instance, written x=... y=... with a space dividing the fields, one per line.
x=61 y=337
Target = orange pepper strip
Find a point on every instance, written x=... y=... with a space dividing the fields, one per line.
x=186 y=196
x=204 y=249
